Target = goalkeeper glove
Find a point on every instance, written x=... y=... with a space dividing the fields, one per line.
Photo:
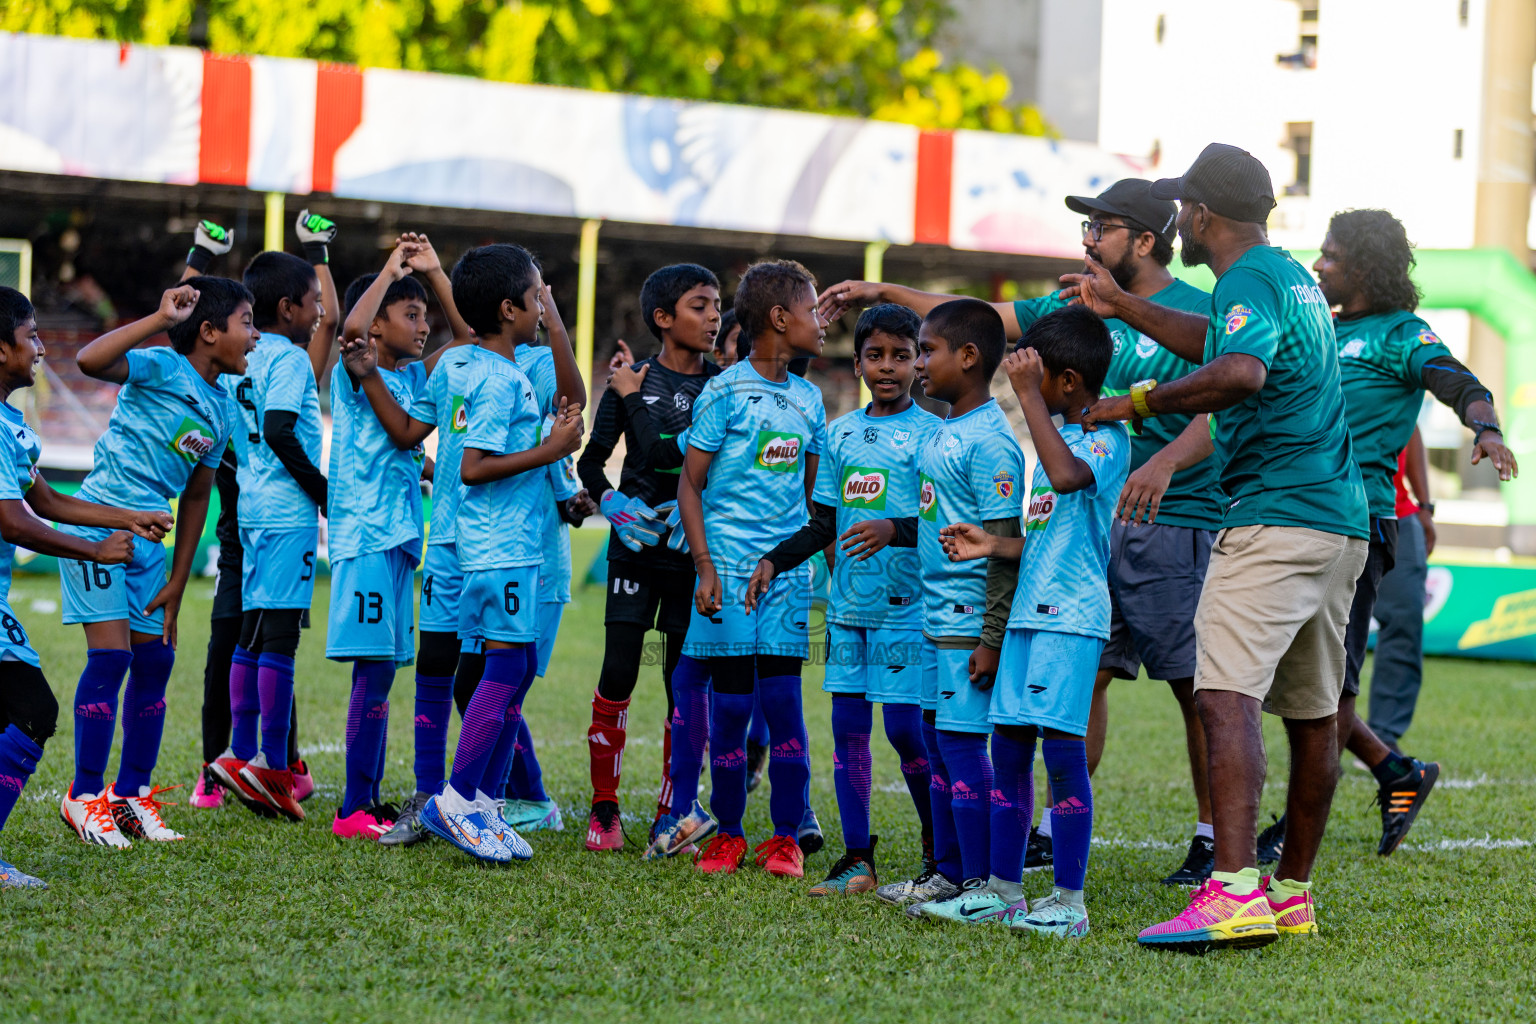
x=636 y=523
x=209 y=241
x=677 y=537
x=315 y=234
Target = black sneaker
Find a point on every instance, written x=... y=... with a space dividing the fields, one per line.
x=1197 y=863
x=1400 y=802
x=757 y=755
x=1272 y=841
x=1038 y=853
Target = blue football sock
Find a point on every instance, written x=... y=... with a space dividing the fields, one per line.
x=434 y=707
x=690 y=730
x=729 y=714
x=1066 y=762
x=500 y=761
x=374 y=796
x=1013 y=804
x=852 y=719
x=525 y=779
x=367 y=719
x=757 y=731
x=274 y=680
x=904 y=728
x=970 y=789
x=485 y=718
x=18 y=760
x=244 y=703
x=789 y=755
x=144 y=714
x=96 y=716
x=946 y=844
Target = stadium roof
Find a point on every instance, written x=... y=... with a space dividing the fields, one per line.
x=181 y=116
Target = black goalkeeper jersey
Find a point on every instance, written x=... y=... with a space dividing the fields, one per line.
x=649 y=421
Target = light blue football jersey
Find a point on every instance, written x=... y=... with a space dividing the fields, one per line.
x=1064 y=575
x=375 y=487
x=869 y=471
x=971 y=470
x=538 y=364
x=760 y=433
x=168 y=421
x=278 y=377
x=443 y=400
x=501 y=523
x=19 y=452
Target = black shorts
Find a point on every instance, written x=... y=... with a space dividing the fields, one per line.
x=1379 y=559
x=226 y=591
x=642 y=596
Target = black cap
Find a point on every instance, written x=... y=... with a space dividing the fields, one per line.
x=1229 y=180
x=1131 y=198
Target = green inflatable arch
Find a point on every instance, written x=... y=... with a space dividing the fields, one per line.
x=1493 y=286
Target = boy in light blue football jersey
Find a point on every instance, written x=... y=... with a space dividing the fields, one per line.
x=28 y=710
x=166 y=437
x=281 y=495
x=970 y=470
x=1058 y=622
x=867 y=479
x=375 y=522
x=497 y=289
x=757 y=434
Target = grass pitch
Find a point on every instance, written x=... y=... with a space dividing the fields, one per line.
x=257 y=920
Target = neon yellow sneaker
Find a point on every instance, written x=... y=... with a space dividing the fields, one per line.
x=1215 y=920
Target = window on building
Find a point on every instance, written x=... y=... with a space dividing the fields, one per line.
x=1456 y=145
x=1305 y=55
x=1298 y=139
x=1464 y=11
x=1162 y=26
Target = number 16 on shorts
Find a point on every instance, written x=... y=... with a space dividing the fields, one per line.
x=501 y=605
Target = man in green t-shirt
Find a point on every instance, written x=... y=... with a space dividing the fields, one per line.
x=1388 y=358
x=1271 y=621
x=1157 y=566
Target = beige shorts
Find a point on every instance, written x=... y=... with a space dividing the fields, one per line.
x=1272 y=616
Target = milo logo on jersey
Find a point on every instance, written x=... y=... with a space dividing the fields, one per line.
x=1042 y=502
x=864 y=487
x=460 y=422
x=927 y=498
x=778 y=451
x=191 y=441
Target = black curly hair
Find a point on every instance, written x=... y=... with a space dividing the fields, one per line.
x=1378 y=257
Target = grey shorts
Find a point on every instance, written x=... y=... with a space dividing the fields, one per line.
x=1156 y=572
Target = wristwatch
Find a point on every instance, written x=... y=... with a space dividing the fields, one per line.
x=1429 y=507
x=1139 y=392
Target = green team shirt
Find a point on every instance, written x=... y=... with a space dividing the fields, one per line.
x=1286 y=454
x=1194 y=497
x=1381 y=368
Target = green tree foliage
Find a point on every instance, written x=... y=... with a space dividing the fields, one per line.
x=866 y=58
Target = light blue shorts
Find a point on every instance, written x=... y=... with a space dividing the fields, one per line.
x=14 y=645
x=442 y=585
x=372 y=607
x=885 y=665
x=106 y=593
x=1045 y=679
x=278 y=570
x=960 y=705
x=780 y=624
x=501 y=605
x=550 y=613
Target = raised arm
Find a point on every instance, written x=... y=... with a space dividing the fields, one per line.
x=426 y=263
x=209 y=242
x=316 y=233
x=106 y=358
x=569 y=383
x=1179 y=332
x=846 y=295
x=1066 y=471
x=1457 y=387
x=1219 y=384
